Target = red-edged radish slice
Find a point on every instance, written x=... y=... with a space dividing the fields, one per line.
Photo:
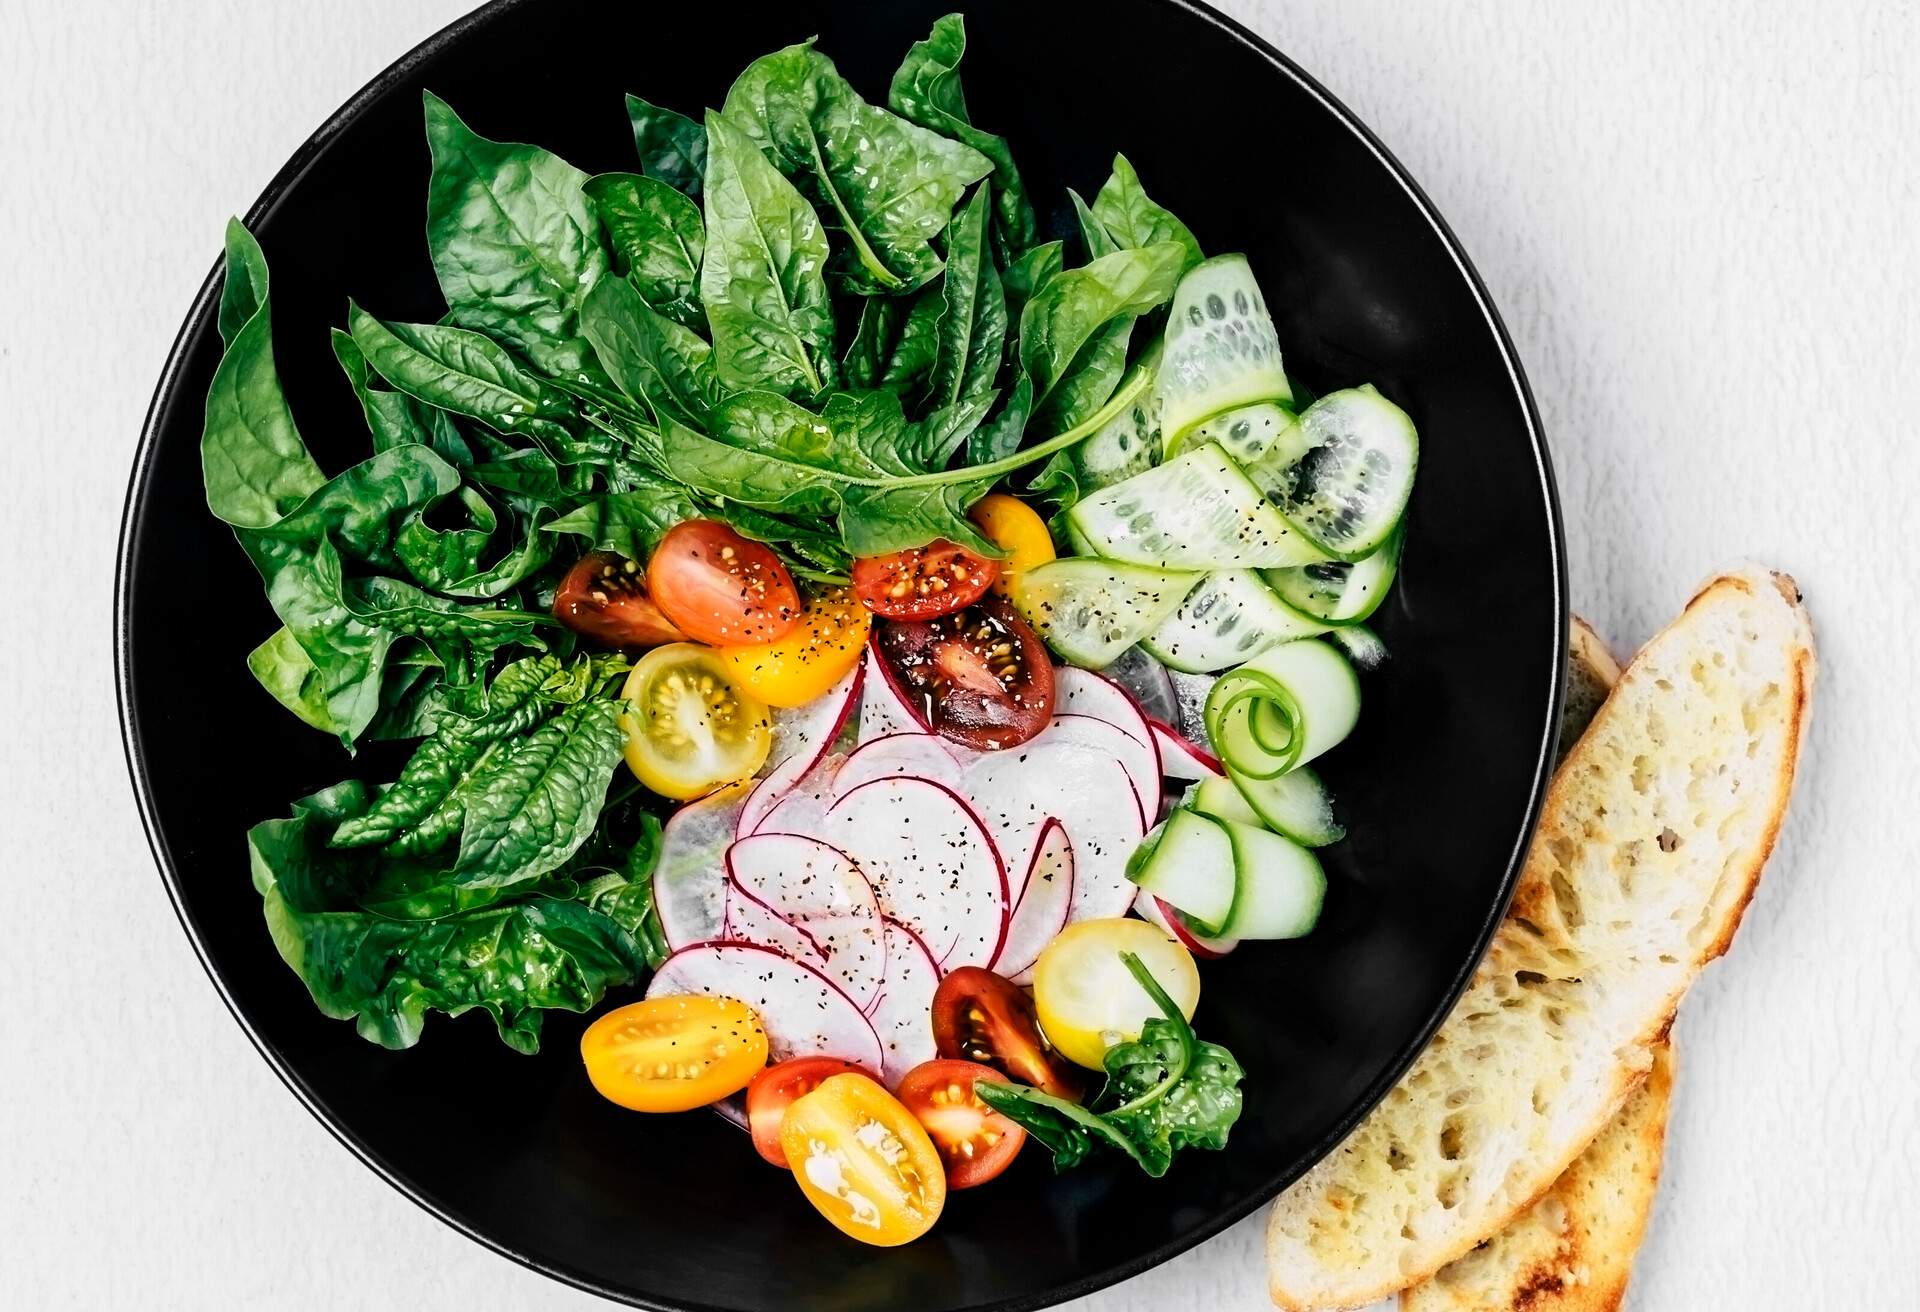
x=1138 y=757
x=1092 y=797
x=883 y=710
x=933 y=866
x=1046 y=897
x=1146 y=681
x=808 y=732
x=1153 y=909
x=818 y=893
x=802 y=1011
x=690 y=878
x=902 y=1015
x=792 y=806
x=1082 y=692
x=1180 y=759
x=925 y=755
x=749 y=921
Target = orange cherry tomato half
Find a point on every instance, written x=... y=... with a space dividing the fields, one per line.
x=979 y=1016
x=864 y=1162
x=774 y=1089
x=720 y=588
x=923 y=582
x=673 y=1054
x=974 y=1141
x=604 y=598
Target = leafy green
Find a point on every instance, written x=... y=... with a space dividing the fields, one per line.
x=448 y=560
x=394 y=418
x=631 y=522
x=663 y=365
x=514 y=239
x=657 y=239
x=1088 y=382
x=764 y=277
x=1134 y=220
x=1030 y=272
x=918 y=345
x=1070 y=307
x=253 y=462
x=1093 y=236
x=459 y=370
x=973 y=323
x=672 y=147
x=889 y=183
x=1165 y=1091
x=865 y=361
x=926 y=90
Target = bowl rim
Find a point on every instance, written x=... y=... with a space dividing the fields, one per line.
x=133 y=508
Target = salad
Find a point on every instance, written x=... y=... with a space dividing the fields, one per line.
x=886 y=646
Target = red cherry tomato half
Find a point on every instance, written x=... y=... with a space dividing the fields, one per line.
x=720 y=588
x=979 y=1016
x=604 y=598
x=922 y=582
x=979 y=676
x=777 y=1086
x=974 y=1141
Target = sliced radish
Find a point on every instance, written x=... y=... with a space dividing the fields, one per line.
x=1046 y=898
x=933 y=866
x=749 y=921
x=902 y=1015
x=925 y=755
x=818 y=892
x=1153 y=909
x=802 y=1011
x=1138 y=757
x=690 y=879
x=1090 y=794
x=1180 y=759
x=809 y=731
x=798 y=805
x=1146 y=681
x=883 y=710
x=1082 y=692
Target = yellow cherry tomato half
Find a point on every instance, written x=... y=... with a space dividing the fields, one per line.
x=800 y=667
x=1088 y=1000
x=690 y=727
x=674 y=1054
x=864 y=1162
x=1017 y=529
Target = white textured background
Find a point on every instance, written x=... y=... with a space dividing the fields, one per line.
x=1700 y=221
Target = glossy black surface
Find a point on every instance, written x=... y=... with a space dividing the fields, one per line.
x=1440 y=784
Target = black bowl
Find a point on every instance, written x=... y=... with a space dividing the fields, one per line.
x=1440 y=785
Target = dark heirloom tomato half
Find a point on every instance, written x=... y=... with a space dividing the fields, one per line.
x=983 y=1017
x=720 y=588
x=604 y=598
x=922 y=582
x=975 y=1142
x=980 y=676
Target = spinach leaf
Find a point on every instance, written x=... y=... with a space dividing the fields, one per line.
x=973 y=323
x=1093 y=236
x=1088 y=382
x=338 y=688
x=465 y=372
x=764 y=277
x=282 y=666
x=672 y=147
x=1165 y=1091
x=659 y=363
x=877 y=520
x=890 y=183
x=1029 y=273
x=625 y=894
x=528 y=477
x=858 y=435
x=253 y=463
x=394 y=418
x=763 y=478
x=866 y=358
x=1075 y=304
x=657 y=239
x=926 y=90
x=462 y=638
x=514 y=239
x=361 y=509
x=1000 y=436
x=448 y=561
x=1134 y=220
x=631 y=522
x=919 y=344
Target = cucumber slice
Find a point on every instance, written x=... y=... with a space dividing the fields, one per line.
x=1122 y=447
x=1231 y=617
x=1282 y=709
x=1361 y=644
x=1296 y=804
x=1190 y=866
x=1091 y=610
x=1247 y=434
x=1338 y=593
x=1218 y=798
x=1197 y=511
x=1221 y=350
x=1279 y=886
x=1348 y=492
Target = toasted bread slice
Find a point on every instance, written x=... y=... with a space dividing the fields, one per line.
x=1591 y=673
x=1651 y=841
x=1573 y=1250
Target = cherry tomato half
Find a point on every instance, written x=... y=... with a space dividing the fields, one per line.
x=979 y=677
x=774 y=1089
x=673 y=1054
x=979 y=1016
x=802 y=666
x=604 y=598
x=975 y=1142
x=1017 y=529
x=922 y=582
x=720 y=588
x=864 y=1162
